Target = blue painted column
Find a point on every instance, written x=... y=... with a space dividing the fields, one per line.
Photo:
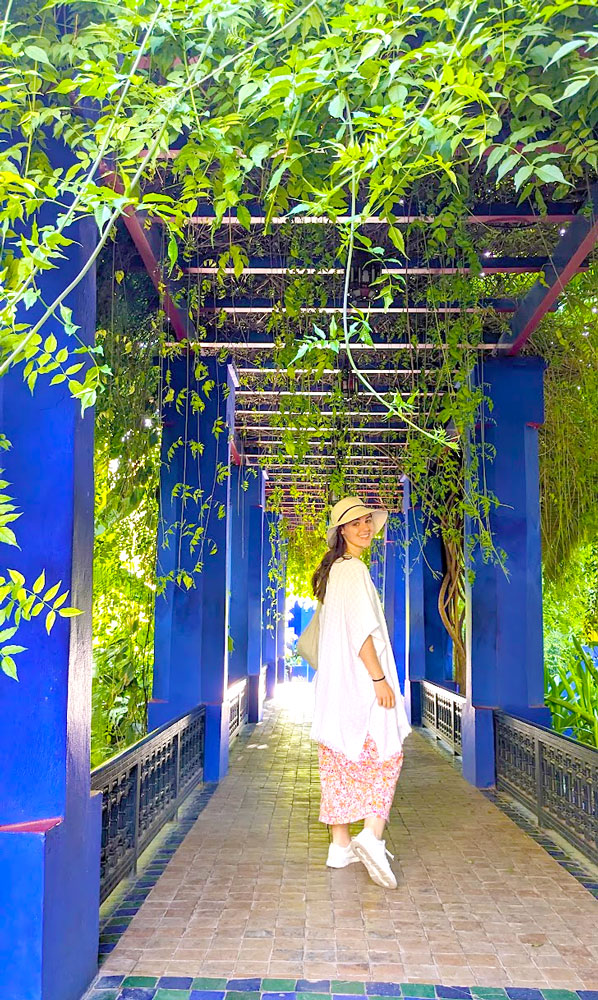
x=394 y=592
x=281 y=620
x=270 y=595
x=255 y=546
x=504 y=643
x=377 y=563
x=438 y=646
x=415 y=645
x=192 y=614
x=237 y=661
x=49 y=821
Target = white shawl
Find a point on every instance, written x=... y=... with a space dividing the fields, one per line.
x=346 y=709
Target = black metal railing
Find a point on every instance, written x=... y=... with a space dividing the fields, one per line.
x=441 y=712
x=142 y=789
x=237 y=699
x=553 y=776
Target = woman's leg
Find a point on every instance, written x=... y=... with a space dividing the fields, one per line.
x=340 y=834
x=376 y=824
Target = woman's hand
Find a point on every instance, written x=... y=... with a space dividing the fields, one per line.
x=385 y=694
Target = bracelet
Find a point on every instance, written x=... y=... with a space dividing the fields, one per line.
x=377 y=680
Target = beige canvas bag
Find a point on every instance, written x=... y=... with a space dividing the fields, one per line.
x=309 y=640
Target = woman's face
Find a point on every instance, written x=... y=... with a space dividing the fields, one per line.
x=359 y=533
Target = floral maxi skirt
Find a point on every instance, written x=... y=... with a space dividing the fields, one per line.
x=352 y=790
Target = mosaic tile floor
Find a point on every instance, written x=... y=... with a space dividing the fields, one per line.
x=187 y=988
x=246 y=894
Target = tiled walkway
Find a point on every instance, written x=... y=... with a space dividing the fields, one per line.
x=247 y=894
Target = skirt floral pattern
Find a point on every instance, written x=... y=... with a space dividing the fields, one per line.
x=352 y=790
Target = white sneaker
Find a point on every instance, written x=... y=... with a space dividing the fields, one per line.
x=373 y=853
x=340 y=857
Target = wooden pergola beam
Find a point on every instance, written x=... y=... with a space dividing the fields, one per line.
x=567 y=259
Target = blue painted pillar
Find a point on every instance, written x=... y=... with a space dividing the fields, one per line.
x=270 y=588
x=504 y=643
x=237 y=661
x=192 y=614
x=394 y=592
x=255 y=596
x=49 y=821
x=438 y=646
x=377 y=563
x=415 y=648
x=281 y=619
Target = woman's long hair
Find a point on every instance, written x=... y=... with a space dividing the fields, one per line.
x=319 y=580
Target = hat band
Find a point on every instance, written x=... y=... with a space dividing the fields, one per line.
x=353 y=507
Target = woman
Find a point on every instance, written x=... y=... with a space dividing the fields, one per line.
x=359 y=718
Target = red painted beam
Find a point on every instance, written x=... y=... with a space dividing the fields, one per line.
x=179 y=321
x=567 y=259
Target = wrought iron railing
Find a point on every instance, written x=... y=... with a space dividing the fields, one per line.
x=142 y=789
x=237 y=699
x=441 y=712
x=553 y=776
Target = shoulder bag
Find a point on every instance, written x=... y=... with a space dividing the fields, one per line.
x=308 y=641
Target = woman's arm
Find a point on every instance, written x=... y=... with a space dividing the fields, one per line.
x=369 y=657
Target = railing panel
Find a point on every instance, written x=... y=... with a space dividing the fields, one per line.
x=441 y=712
x=237 y=697
x=553 y=776
x=142 y=788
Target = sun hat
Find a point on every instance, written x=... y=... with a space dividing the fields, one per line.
x=350 y=508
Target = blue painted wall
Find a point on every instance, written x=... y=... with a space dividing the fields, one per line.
x=48 y=935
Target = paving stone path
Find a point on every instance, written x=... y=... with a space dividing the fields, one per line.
x=247 y=893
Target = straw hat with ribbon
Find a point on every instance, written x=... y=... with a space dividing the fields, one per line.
x=349 y=509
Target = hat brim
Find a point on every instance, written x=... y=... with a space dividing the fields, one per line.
x=379 y=519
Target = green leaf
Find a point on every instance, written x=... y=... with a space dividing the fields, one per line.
x=52 y=591
x=542 y=101
x=8 y=536
x=38 y=55
x=39 y=583
x=16 y=577
x=522 y=174
x=494 y=156
x=244 y=217
x=12 y=650
x=573 y=88
x=69 y=612
x=508 y=164
x=7 y=633
x=259 y=153
x=564 y=50
x=337 y=106
x=60 y=600
x=9 y=667
x=551 y=174
x=50 y=619
x=370 y=50
x=173 y=250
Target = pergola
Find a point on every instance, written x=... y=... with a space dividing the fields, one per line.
x=53 y=835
